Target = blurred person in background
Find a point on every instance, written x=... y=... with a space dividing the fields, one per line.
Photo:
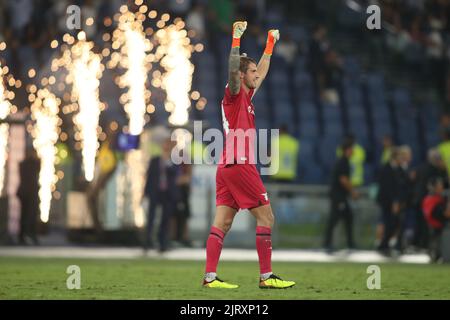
x=318 y=46
x=28 y=194
x=195 y=20
x=436 y=210
x=288 y=49
x=388 y=146
x=395 y=197
x=388 y=199
x=105 y=165
x=285 y=155
x=406 y=179
x=177 y=8
x=386 y=155
x=432 y=169
x=183 y=211
x=356 y=160
x=444 y=146
x=331 y=79
x=162 y=191
x=340 y=191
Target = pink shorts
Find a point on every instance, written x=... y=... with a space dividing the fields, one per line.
x=239 y=186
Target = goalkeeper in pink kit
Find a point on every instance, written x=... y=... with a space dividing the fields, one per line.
x=238 y=183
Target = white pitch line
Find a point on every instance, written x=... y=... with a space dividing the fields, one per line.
x=200 y=254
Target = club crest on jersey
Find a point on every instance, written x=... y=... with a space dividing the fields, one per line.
x=250 y=110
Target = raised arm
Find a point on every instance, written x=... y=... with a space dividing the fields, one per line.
x=264 y=62
x=234 y=80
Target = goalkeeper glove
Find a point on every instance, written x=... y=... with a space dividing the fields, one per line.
x=238 y=30
x=273 y=36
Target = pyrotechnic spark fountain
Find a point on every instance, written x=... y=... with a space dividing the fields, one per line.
x=5 y=109
x=134 y=49
x=135 y=58
x=85 y=70
x=4 y=131
x=135 y=177
x=44 y=111
x=177 y=80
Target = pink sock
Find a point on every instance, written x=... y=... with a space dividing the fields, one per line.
x=213 y=249
x=264 y=248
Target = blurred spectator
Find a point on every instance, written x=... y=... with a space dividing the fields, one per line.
x=325 y=66
x=444 y=149
x=388 y=199
x=416 y=33
x=105 y=166
x=195 y=20
x=29 y=198
x=183 y=212
x=318 y=46
x=436 y=210
x=357 y=160
x=60 y=12
x=341 y=189
x=398 y=40
x=162 y=190
x=388 y=146
x=331 y=79
x=287 y=49
x=386 y=156
x=284 y=157
x=432 y=169
x=406 y=190
x=436 y=63
x=179 y=8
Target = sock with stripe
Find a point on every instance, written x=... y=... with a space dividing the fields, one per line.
x=213 y=249
x=264 y=249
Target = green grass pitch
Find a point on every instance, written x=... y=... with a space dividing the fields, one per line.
x=45 y=278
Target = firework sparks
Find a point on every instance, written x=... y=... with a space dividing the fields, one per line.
x=85 y=70
x=133 y=54
x=136 y=173
x=44 y=111
x=5 y=109
x=134 y=57
x=177 y=80
x=4 y=132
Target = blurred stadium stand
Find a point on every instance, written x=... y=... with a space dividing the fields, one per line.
x=378 y=82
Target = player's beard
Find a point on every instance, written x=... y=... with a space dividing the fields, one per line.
x=250 y=84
